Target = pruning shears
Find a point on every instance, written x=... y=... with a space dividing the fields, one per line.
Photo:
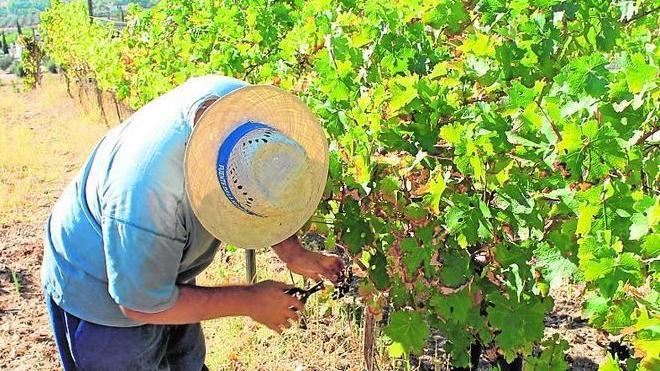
x=302 y=294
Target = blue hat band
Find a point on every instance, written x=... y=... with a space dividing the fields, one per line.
x=224 y=152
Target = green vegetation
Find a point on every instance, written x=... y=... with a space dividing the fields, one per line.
x=16 y=68
x=482 y=151
x=25 y=13
x=5 y=62
x=10 y=37
x=31 y=58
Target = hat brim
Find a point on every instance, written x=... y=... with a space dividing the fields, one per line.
x=274 y=107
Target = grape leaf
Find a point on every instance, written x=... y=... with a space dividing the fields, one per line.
x=517 y=332
x=454 y=308
x=378 y=271
x=585 y=74
x=404 y=90
x=408 y=329
x=639 y=226
x=571 y=139
x=551 y=358
x=609 y=364
x=520 y=96
x=651 y=245
x=585 y=218
x=596 y=308
x=435 y=187
x=553 y=265
x=414 y=254
x=638 y=73
x=357 y=231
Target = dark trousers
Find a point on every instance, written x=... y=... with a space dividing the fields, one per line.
x=87 y=346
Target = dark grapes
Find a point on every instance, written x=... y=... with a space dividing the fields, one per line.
x=344 y=283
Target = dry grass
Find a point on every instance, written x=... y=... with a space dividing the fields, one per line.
x=44 y=140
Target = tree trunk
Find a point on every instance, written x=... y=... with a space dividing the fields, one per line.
x=90 y=10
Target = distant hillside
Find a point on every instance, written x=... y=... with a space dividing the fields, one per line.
x=26 y=12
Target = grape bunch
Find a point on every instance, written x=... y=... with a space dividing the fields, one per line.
x=344 y=284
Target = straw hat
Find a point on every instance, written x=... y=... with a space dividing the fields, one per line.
x=256 y=166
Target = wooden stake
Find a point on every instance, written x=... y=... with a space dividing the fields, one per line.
x=251 y=266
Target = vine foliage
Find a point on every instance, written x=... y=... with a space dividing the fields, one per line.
x=31 y=59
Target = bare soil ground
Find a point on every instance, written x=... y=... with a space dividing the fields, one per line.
x=44 y=138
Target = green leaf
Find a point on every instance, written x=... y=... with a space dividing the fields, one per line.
x=414 y=254
x=480 y=45
x=404 y=90
x=518 y=332
x=478 y=168
x=357 y=232
x=639 y=73
x=585 y=217
x=596 y=269
x=408 y=329
x=571 y=139
x=455 y=267
x=455 y=307
x=415 y=211
x=395 y=350
x=596 y=308
x=520 y=96
x=378 y=271
x=452 y=133
x=553 y=265
x=619 y=316
x=608 y=272
x=435 y=187
x=651 y=245
x=585 y=74
x=389 y=185
x=609 y=364
x=639 y=226
x=552 y=357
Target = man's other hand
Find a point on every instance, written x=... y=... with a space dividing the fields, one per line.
x=272 y=307
x=307 y=263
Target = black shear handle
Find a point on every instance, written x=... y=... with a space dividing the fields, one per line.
x=302 y=294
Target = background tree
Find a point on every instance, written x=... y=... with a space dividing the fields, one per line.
x=3 y=43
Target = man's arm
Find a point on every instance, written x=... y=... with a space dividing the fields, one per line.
x=265 y=302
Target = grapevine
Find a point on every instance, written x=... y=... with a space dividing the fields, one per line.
x=31 y=60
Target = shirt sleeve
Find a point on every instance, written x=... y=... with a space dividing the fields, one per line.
x=142 y=266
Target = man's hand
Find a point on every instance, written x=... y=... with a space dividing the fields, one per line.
x=307 y=263
x=265 y=302
x=272 y=307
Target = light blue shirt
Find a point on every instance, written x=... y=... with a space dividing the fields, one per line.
x=123 y=232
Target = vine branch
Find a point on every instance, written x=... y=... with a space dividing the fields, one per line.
x=641 y=15
x=647 y=135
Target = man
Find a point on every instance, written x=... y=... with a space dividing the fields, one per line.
x=213 y=160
